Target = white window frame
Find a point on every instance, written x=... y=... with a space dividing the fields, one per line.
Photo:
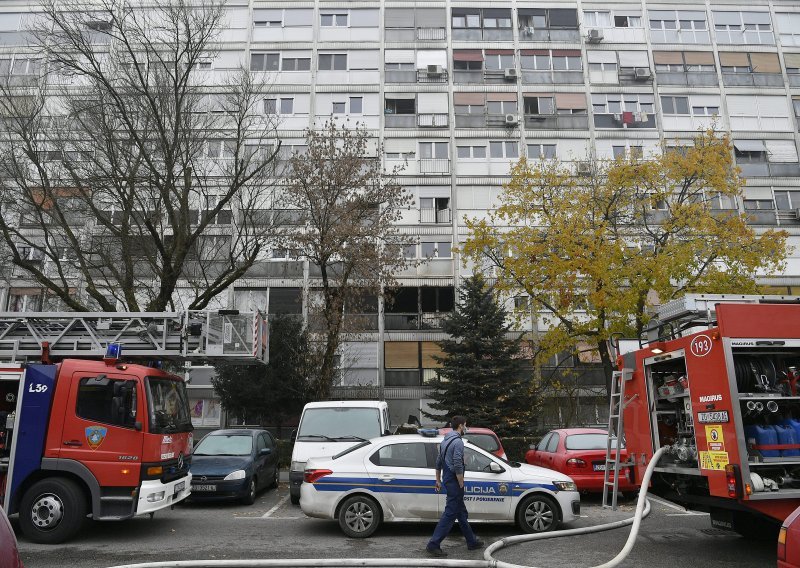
x=338 y=20
x=545 y=151
x=472 y=148
x=507 y=147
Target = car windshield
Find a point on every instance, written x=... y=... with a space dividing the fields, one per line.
x=335 y=423
x=225 y=445
x=484 y=441
x=168 y=406
x=588 y=442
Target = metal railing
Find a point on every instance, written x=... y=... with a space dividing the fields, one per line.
x=431 y=215
x=434 y=165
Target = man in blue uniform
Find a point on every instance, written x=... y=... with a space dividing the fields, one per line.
x=450 y=473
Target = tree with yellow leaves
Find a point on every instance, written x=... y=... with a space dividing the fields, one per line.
x=595 y=252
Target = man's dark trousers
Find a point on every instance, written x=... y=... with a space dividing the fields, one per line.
x=454 y=510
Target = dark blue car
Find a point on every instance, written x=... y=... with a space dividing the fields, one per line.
x=234 y=464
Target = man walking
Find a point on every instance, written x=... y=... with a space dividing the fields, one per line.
x=450 y=473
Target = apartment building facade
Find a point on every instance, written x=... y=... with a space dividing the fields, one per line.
x=458 y=90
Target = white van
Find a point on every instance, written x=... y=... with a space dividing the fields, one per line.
x=327 y=428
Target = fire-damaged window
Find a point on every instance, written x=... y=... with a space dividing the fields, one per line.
x=107 y=401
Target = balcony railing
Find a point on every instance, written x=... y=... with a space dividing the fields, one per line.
x=433 y=120
x=752 y=79
x=431 y=34
x=426 y=320
x=425 y=76
x=689 y=79
x=556 y=121
x=434 y=165
x=399 y=120
x=431 y=215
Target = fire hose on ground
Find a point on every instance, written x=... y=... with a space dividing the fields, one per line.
x=642 y=510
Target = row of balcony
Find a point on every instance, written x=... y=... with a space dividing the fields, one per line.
x=424 y=321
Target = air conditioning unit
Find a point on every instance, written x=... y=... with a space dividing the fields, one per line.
x=583 y=168
x=642 y=74
x=511 y=120
x=511 y=74
x=435 y=70
x=594 y=36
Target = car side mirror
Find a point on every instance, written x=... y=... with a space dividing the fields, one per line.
x=264 y=452
x=494 y=467
x=532 y=447
x=387 y=433
x=138 y=426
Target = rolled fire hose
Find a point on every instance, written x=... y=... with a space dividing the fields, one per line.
x=642 y=510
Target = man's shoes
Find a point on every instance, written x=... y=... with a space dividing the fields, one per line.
x=476 y=545
x=436 y=552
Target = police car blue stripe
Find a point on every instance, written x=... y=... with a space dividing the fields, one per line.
x=421 y=486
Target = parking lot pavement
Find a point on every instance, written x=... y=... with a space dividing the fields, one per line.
x=273 y=528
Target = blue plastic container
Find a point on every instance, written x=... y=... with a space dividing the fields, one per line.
x=763 y=436
x=795 y=424
x=787 y=435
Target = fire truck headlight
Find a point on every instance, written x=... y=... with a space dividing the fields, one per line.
x=565 y=485
x=154 y=497
x=238 y=474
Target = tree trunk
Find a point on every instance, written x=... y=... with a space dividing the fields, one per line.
x=609 y=366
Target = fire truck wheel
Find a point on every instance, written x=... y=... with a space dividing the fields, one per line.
x=538 y=514
x=250 y=497
x=52 y=510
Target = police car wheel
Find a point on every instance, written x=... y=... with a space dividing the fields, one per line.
x=52 y=510
x=538 y=514
x=359 y=516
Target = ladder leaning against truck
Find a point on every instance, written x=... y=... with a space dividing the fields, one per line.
x=716 y=383
x=90 y=425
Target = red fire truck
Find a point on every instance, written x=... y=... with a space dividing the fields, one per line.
x=86 y=432
x=716 y=384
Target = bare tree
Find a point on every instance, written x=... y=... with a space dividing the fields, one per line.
x=134 y=185
x=349 y=206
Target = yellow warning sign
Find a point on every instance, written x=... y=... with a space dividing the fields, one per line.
x=713 y=460
x=715 y=438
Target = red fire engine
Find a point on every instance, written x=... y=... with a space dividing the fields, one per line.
x=716 y=384
x=85 y=432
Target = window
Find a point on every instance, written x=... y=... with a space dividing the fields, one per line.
x=539 y=105
x=705 y=110
x=468 y=65
x=787 y=200
x=433 y=150
x=204 y=64
x=789 y=28
x=497 y=62
x=470 y=109
x=552 y=445
x=221 y=148
x=296 y=64
x=471 y=152
x=743 y=28
x=466 y=20
x=499 y=149
x=400 y=155
x=442 y=249
x=629 y=102
x=501 y=107
x=410 y=251
x=283 y=105
x=356 y=105
x=338 y=108
x=536 y=62
x=333 y=62
x=720 y=201
x=543 y=444
x=759 y=204
x=594 y=19
x=107 y=401
x=264 y=61
x=399 y=66
x=627 y=151
x=541 y=152
x=333 y=20
x=675 y=105
x=682 y=26
x=473 y=461
x=627 y=21
x=567 y=62
x=401 y=455
x=261 y=444
x=497 y=23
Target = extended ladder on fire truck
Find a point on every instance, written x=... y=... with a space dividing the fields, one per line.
x=192 y=336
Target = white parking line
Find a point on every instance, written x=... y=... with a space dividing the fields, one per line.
x=280 y=504
x=683 y=511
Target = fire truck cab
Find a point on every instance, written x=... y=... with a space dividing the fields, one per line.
x=92 y=434
x=716 y=385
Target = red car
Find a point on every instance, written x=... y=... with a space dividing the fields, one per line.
x=579 y=453
x=9 y=555
x=789 y=542
x=484 y=438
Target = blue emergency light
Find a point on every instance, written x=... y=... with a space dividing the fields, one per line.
x=428 y=432
x=113 y=351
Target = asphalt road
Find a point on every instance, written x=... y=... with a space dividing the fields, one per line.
x=273 y=528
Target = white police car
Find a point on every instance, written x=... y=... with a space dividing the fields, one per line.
x=393 y=479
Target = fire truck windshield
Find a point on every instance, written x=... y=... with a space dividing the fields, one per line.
x=168 y=406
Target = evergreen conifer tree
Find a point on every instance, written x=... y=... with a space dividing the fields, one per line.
x=481 y=375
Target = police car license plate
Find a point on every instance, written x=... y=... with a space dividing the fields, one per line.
x=180 y=487
x=599 y=467
x=204 y=487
